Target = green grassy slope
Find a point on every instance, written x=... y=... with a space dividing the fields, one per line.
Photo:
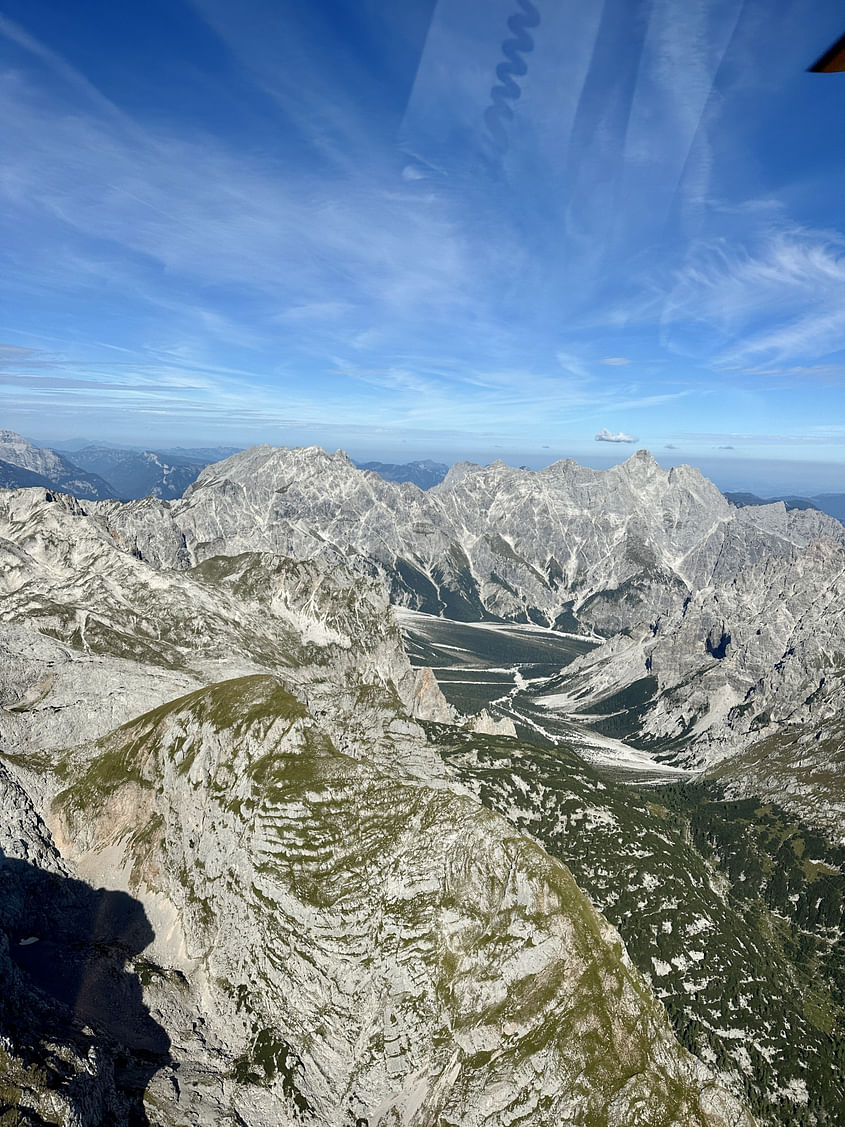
x=732 y=909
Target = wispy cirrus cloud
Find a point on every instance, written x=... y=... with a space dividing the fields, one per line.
x=197 y=209
x=317 y=311
x=813 y=436
x=778 y=298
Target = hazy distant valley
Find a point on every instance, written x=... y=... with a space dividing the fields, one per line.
x=515 y=798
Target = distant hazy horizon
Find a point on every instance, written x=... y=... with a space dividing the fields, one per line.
x=337 y=223
x=763 y=477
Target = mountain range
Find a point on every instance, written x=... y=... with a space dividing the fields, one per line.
x=22 y=464
x=294 y=885
x=718 y=622
x=92 y=470
x=96 y=471
x=129 y=472
x=140 y=473
x=332 y=927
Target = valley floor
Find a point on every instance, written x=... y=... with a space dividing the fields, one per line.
x=504 y=667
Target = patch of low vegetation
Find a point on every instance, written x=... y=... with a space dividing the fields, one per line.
x=805 y=764
x=271 y=1058
x=732 y=908
x=621 y=713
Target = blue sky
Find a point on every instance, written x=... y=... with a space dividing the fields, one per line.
x=295 y=221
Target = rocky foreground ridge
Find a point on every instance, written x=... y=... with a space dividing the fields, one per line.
x=722 y=624
x=307 y=918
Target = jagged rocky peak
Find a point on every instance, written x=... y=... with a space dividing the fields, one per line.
x=263 y=471
x=457 y=472
x=641 y=461
x=12 y=440
x=677 y=487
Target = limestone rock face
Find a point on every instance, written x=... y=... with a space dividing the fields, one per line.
x=85 y=622
x=719 y=604
x=63 y=950
x=275 y=903
x=428 y=702
x=360 y=943
x=488 y=725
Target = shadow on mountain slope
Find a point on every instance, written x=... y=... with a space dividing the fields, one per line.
x=75 y=1034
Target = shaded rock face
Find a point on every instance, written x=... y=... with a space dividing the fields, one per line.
x=652 y=560
x=717 y=642
x=331 y=929
x=77 y=1042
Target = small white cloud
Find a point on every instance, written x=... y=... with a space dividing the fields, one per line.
x=616 y=361
x=606 y=435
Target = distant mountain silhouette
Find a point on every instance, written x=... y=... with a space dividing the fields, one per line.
x=741 y=499
x=425 y=474
x=831 y=503
x=140 y=473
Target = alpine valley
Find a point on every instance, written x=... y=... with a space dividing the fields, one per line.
x=329 y=800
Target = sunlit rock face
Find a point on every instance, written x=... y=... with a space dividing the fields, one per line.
x=359 y=942
x=729 y=612
x=306 y=918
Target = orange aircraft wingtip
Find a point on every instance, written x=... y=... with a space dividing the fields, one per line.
x=832 y=60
